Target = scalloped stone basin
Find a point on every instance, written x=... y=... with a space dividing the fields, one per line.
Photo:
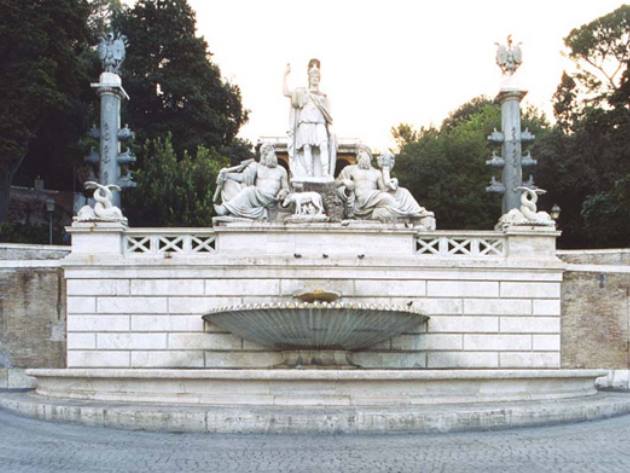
x=316 y=325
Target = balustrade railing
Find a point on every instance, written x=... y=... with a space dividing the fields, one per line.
x=184 y=241
x=158 y=241
x=461 y=244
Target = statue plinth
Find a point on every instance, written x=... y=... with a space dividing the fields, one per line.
x=333 y=206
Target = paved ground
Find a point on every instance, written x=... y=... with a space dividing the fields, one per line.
x=28 y=445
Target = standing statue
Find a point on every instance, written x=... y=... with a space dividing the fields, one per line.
x=111 y=51
x=312 y=145
x=509 y=57
x=249 y=192
x=372 y=194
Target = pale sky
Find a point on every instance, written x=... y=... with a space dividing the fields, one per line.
x=386 y=62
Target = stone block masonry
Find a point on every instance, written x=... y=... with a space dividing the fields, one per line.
x=146 y=313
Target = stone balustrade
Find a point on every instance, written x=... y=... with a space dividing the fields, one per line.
x=175 y=242
x=159 y=241
x=461 y=244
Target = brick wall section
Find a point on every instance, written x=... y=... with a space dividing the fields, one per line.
x=480 y=318
x=32 y=318
x=595 y=320
x=596 y=309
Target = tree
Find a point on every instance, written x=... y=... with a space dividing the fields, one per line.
x=587 y=160
x=174 y=86
x=43 y=74
x=101 y=14
x=600 y=51
x=445 y=167
x=174 y=191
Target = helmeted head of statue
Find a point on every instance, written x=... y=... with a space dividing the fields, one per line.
x=268 y=155
x=313 y=73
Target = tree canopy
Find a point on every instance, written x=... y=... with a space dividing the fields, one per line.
x=44 y=84
x=173 y=84
x=174 y=191
x=445 y=167
x=47 y=62
x=585 y=162
x=186 y=117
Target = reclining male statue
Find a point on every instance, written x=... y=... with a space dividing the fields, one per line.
x=251 y=191
x=369 y=193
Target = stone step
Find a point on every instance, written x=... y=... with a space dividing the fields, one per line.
x=283 y=419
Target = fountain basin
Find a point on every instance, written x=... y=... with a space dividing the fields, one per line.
x=316 y=325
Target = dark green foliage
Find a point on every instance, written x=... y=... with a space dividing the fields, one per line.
x=43 y=76
x=176 y=91
x=174 y=87
x=31 y=233
x=46 y=67
x=445 y=167
x=171 y=191
x=101 y=14
x=585 y=163
x=610 y=211
x=600 y=50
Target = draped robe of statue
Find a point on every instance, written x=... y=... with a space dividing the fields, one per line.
x=310 y=122
x=372 y=199
x=257 y=191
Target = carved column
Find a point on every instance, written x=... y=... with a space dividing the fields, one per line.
x=110 y=90
x=510 y=138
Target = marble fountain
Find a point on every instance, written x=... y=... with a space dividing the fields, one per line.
x=316 y=302
x=291 y=326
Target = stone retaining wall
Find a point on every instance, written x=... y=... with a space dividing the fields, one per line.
x=144 y=311
x=32 y=311
x=478 y=319
x=596 y=313
x=149 y=315
x=19 y=251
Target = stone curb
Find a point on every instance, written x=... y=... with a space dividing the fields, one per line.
x=271 y=419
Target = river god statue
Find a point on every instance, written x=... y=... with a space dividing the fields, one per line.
x=249 y=190
x=371 y=194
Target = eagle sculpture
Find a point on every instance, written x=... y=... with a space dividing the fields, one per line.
x=509 y=57
x=111 y=51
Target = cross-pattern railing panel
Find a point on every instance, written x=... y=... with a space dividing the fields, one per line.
x=460 y=246
x=155 y=243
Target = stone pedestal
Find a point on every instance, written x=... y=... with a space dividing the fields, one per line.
x=97 y=238
x=532 y=242
x=333 y=206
